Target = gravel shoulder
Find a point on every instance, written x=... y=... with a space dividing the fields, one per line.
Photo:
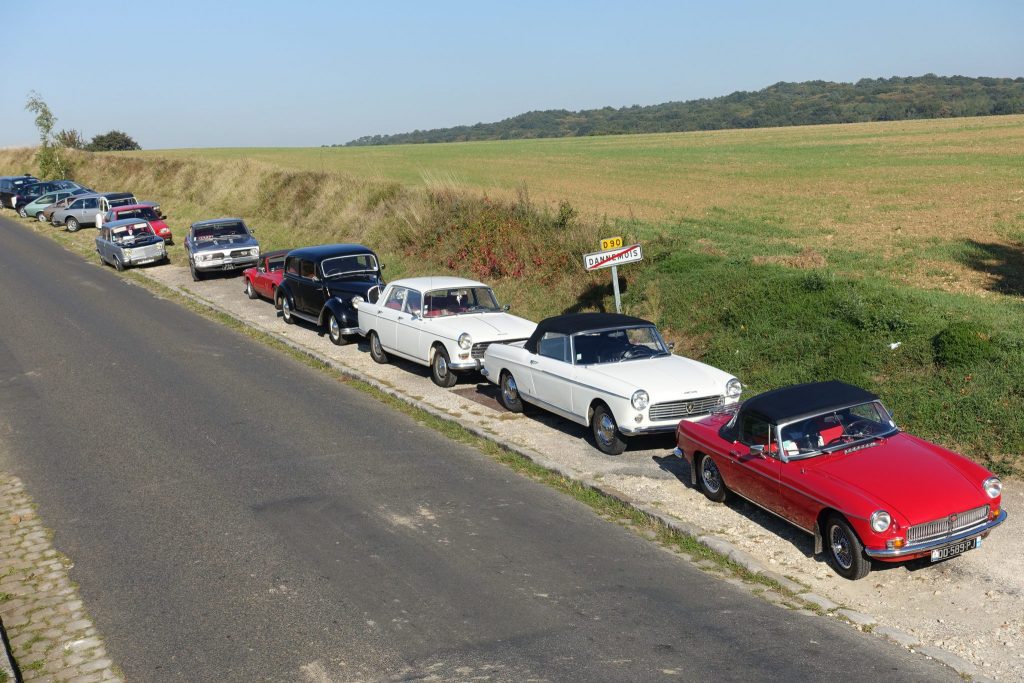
x=971 y=607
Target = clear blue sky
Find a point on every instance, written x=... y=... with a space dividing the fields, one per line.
x=210 y=74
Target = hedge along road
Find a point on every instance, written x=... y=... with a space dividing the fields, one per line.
x=234 y=514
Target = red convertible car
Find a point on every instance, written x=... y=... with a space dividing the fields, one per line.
x=828 y=458
x=264 y=279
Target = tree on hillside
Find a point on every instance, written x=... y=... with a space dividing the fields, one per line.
x=72 y=139
x=114 y=141
x=50 y=163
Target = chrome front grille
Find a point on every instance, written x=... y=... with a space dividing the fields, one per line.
x=678 y=410
x=237 y=253
x=149 y=251
x=946 y=526
x=477 y=351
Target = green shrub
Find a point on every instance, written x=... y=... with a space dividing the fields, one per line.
x=962 y=343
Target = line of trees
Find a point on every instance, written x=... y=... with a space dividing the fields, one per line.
x=782 y=104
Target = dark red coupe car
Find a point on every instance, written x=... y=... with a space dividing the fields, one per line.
x=828 y=458
x=264 y=279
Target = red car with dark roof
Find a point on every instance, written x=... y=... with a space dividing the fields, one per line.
x=828 y=458
x=264 y=279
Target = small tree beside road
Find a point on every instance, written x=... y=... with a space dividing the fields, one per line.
x=50 y=163
x=114 y=141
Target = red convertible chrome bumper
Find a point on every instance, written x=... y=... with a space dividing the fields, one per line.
x=928 y=546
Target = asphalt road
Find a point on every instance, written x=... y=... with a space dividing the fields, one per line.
x=234 y=515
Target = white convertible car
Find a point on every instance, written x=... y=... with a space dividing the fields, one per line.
x=609 y=371
x=445 y=323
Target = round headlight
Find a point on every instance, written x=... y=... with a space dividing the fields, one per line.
x=733 y=388
x=356 y=300
x=640 y=399
x=880 y=520
x=465 y=341
x=993 y=487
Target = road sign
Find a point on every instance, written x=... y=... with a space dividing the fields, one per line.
x=611 y=243
x=613 y=257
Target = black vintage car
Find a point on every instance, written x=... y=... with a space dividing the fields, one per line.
x=319 y=283
x=9 y=186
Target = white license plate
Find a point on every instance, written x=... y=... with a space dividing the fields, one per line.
x=146 y=260
x=956 y=549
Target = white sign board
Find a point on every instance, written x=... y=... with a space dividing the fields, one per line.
x=613 y=257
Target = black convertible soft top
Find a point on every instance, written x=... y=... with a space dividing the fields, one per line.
x=580 y=322
x=788 y=403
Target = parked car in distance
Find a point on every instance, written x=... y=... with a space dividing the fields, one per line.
x=88 y=209
x=320 y=282
x=9 y=186
x=264 y=278
x=220 y=244
x=445 y=323
x=38 y=206
x=611 y=372
x=147 y=211
x=828 y=458
x=31 y=192
x=129 y=242
x=56 y=206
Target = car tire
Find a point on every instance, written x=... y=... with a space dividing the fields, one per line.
x=196 y=275
x=845 y=551
x=40 y=217
x=72 y=225
x=441 y=370
x=118 y=265
x=508 y=393
x=286 y=310
x=22 y=212
x=377 y=352
x=709 y=478
x=334 y=331
x=607 y=437
x=249 y=291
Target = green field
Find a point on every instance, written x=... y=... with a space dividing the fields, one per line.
x=890 y=255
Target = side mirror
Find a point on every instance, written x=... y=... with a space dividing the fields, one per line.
x=671 y=346
x=163 y=216
x=506 y=307
x=382 y=266
x=757 y=450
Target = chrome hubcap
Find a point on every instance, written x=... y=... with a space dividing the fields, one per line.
x=286 y=308
x=335 y=330
x=841 y=548
x=709 y=475
x=510 y=389
x=442 y=366
x=375 y=344
x=606 y=429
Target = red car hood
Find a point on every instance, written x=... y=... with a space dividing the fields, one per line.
x=907 y=476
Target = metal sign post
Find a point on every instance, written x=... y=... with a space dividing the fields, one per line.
x=615 y=288
x=613 y=255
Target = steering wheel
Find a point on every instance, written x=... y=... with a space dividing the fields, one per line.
x=859 y=428
x=637 y=352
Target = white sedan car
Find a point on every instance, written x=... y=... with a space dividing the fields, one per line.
x=611 y=372
x=445 y=323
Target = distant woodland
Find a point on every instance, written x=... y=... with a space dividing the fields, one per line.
x=782 y=104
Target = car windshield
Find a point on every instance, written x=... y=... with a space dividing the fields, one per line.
x=349 y=265
x=836 y=429
x=457 y=300
x=274 y=264
x=146 y=212
x=205 y=233
x=130 y=233
x=617 y=345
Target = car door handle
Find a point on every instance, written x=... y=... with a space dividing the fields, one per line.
x=380 y=310
x=533 y=362
x=734 y=454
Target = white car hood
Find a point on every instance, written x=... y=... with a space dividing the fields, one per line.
x=485 y=327
x=665 y=378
